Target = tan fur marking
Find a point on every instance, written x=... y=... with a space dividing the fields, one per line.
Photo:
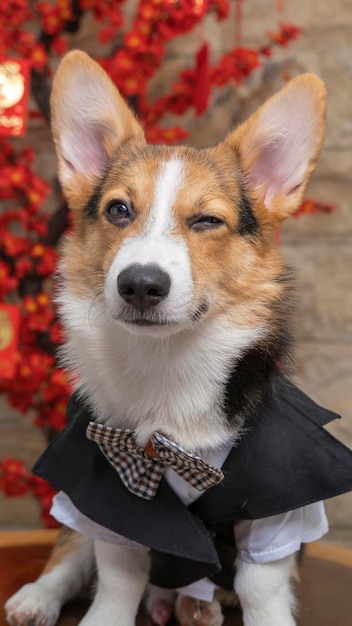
x=191 y=612
x=68 y=541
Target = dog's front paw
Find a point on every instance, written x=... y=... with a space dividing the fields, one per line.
x=192 y=612
x=33 y=605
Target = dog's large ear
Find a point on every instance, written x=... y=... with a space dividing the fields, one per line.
x=89 y=121
x=279 y=145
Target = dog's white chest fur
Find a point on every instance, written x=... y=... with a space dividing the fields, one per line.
x=172 y=384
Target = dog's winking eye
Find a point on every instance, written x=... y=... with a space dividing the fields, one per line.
x=119 y=212
x=200 y=223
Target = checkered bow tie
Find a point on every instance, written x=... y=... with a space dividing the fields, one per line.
x=141 y=469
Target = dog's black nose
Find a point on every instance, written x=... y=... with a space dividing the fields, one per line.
x=143 y=286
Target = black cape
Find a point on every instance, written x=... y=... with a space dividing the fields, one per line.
x=285 y=460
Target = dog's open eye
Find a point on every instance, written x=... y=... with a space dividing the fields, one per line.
x=119 y=212
x=200 y=223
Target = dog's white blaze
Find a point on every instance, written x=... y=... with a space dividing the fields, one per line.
x=168 y=184
x=157 y=245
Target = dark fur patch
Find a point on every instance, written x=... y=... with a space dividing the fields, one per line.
x=251 y=383
x=247 y=221
x=254 y=378
x=91 y=208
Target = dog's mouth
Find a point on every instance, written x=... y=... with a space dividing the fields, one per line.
x=144 y=318
x=151 y=318
x=146 y=322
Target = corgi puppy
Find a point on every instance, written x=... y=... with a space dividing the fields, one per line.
x=172 y=286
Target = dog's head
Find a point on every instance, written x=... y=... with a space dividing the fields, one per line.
x=167 y=237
